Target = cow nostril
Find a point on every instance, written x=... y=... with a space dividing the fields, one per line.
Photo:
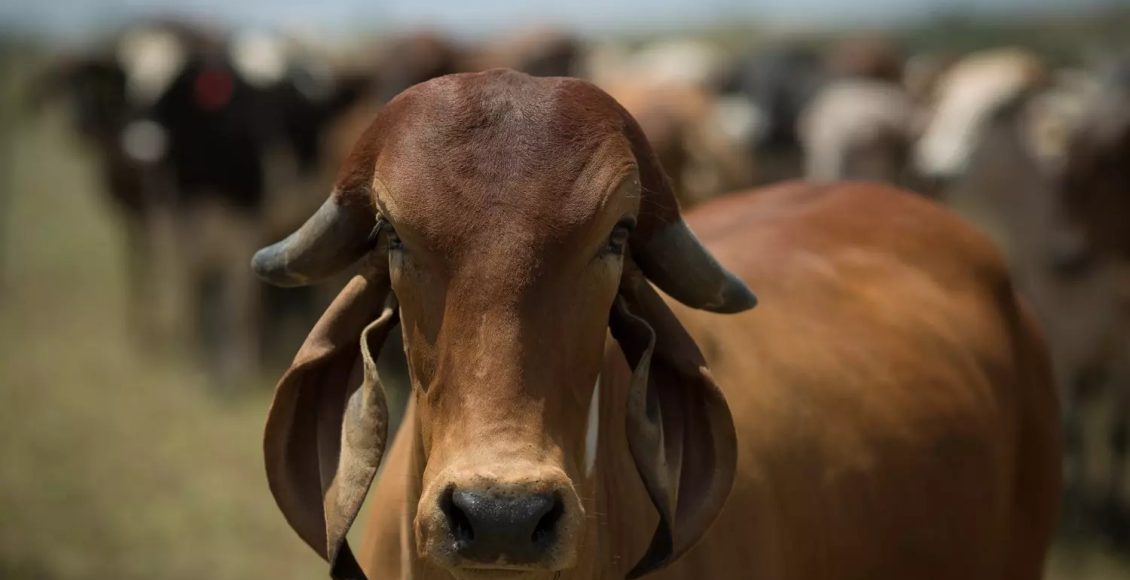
x=547 y=525
x=515 y=526
x=461 y=529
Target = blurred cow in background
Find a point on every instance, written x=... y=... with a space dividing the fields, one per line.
x=673 y=89
x=922 y=72
x=111 y=92
x=185 y=121
x=1097 y=175
x=391 y=64
x=818 y=111
x=543 y=51
x=873 y=57
x=998 y=144
x=859 y=129
x=396 y=63
x=863 y=121
x=779 y=82
x=414 y=58
x=1095 y=187
x=967 y=97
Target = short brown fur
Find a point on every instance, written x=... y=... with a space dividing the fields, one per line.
x=892 y=410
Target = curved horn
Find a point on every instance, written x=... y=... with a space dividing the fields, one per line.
x=677 y=262
x=332 y=239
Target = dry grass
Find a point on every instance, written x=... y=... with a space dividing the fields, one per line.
x=1086 y=562
x=116 y=462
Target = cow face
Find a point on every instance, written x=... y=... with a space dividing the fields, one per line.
x=514 y=220
x=504 y=316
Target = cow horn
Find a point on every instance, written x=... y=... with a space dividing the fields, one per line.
x=678 y=264
x=333 y=238
x=666 y=249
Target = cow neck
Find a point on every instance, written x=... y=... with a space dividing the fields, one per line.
x=622 y=521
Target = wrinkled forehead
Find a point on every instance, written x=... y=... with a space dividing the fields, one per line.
x=502 y=151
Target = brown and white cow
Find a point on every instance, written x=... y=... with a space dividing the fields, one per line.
x=200 y=135
x=888 y=413
x=859 y=129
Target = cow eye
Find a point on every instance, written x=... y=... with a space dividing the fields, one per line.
x=394 y=241
x=618 y=240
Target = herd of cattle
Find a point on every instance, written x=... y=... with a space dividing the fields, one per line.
x=210 y=144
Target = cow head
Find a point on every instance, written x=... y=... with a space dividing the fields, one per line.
x=508 y=222
x=969 y=97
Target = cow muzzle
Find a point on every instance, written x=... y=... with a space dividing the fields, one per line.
x=475 y=526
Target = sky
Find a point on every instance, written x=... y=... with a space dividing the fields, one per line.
x=75 y=18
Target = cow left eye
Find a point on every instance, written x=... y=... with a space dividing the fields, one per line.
x=384 y=227
x=618 y=241
x=394 y=241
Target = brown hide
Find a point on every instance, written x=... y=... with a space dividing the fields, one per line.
x=894 y=408
x=889 y=415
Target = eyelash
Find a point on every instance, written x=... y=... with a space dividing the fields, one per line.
x=394 y=241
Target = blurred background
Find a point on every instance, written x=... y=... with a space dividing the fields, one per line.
x=147 y=147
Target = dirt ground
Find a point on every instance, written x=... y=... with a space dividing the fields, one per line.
x=116 y=460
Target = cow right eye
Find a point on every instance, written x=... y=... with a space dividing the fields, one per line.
x=618 y=240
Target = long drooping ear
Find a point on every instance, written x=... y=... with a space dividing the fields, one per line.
x=328 y=423
x=667 y=250
x=679 y=427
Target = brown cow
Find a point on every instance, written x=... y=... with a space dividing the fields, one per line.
x=888 y=413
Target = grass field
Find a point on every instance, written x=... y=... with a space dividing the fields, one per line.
x=117 y=461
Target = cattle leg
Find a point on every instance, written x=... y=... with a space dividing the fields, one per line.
x=239 y=309
x=225 y=337
x=1074 y=518
x=166 y=265
x=217 y=241
x=236 y=309
x=141 y=307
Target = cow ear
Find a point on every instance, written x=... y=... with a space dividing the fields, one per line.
x=679 y=427
x=328 y=423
